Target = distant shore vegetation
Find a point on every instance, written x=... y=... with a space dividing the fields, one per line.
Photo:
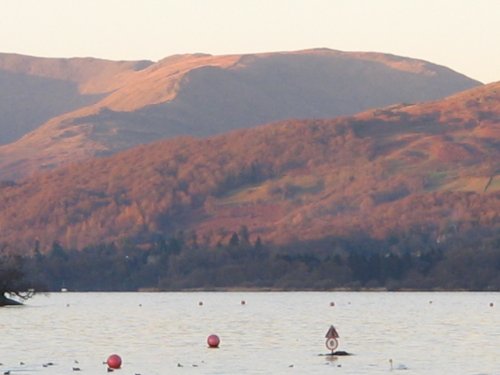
x=410 y=261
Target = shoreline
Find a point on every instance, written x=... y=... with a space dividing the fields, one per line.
x=283 y=290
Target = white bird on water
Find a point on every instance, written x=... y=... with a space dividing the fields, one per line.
x=398 y=367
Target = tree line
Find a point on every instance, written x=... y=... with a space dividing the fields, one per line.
x=404 y=261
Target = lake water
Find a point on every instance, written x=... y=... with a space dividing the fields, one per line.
x=272 y=333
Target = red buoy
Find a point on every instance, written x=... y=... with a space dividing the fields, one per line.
x=213 y=341
x=114 y=361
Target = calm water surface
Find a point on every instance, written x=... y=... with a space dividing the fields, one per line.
x=273 y=333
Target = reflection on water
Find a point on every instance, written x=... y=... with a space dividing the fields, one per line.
x=272 y=333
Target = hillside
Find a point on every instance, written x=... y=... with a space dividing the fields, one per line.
x=430 y=168
x=33 y=89
x=100 y=107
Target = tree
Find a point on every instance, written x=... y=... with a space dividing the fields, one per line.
x=13 y=281
x=244 y=234
x=234 y=241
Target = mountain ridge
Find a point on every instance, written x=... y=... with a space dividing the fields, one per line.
x=25 y=82
x=202 y=95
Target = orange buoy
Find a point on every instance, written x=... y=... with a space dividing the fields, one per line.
x=114 y=361
x=213 y=341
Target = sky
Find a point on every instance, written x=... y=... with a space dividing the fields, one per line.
x=463 y=35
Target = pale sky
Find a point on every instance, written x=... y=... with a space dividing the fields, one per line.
x=463 y=35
